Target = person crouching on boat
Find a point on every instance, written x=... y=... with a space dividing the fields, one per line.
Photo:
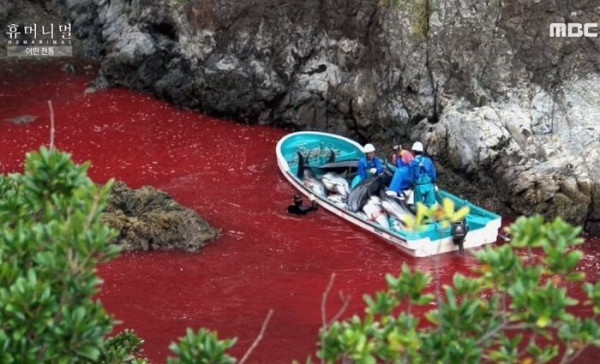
x=424 y=176
x=403 y=178
x=369 y=165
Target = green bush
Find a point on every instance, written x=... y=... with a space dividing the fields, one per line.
x=201 y=348
x=51 y=240
x=482 y=317
x=125 y=348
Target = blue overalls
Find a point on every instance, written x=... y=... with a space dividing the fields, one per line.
x=403 y=177
x=424 y=177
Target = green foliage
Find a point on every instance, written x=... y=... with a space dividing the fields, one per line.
x=51 y=240
x=203 y=347
x=445 y=214
x=481 y=317
x=125 y=348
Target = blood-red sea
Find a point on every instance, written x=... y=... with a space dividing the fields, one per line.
x=265 y=258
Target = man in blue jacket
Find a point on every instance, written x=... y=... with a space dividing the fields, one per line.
x=369 y=165
x=424 y=176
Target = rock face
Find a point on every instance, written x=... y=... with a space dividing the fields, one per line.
x=149 y=219
x=494 y=97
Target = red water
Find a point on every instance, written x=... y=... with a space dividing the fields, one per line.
x=265 y=259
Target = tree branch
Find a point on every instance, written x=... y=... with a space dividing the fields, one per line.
x=258 y=338
x=51 y=124
x=345 y=302
x=570 y=359
x=324 y=301
x=503 y=326
x=324 y=314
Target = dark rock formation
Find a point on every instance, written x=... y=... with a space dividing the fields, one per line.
x=481 y=82
x=149 y=219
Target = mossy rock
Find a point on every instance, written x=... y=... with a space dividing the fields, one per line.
x=149 y=219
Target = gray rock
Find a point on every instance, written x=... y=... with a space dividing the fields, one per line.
x=69 y=68
x=6 y=8
x=149 y=219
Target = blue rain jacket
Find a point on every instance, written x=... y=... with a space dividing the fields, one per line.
x=363 y=169
x=364 y=165
x=423 y=170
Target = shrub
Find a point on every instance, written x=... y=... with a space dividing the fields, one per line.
x=513 y=309
x=124 y=348
x=203 y=347
x=51 y=240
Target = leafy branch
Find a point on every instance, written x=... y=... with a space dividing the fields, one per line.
x=483 y=316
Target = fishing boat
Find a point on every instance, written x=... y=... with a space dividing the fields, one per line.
x=308 y=160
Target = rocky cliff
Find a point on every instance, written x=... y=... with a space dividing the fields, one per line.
x=482 y=83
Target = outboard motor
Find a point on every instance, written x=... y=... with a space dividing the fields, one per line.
x=459 y=232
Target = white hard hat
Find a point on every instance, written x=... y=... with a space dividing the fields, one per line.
x=417 y=147
x=369 y=148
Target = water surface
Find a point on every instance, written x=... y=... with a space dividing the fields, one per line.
x=227 y=172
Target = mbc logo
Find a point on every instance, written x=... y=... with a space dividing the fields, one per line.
x=574 y=30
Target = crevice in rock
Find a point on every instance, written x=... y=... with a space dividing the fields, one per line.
x=416 y=118
x=319 y=69
x=163 y=28
x=492 y=42
x=434 y=118
x=355 y=127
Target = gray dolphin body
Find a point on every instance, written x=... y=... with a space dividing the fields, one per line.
x=304 y=170
x=338 y=200
x=375 y=212
x=336 y=183
x=394 y=206
x=348 y=166
x=370 y=187
x=307 y=176
x=316 y=186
